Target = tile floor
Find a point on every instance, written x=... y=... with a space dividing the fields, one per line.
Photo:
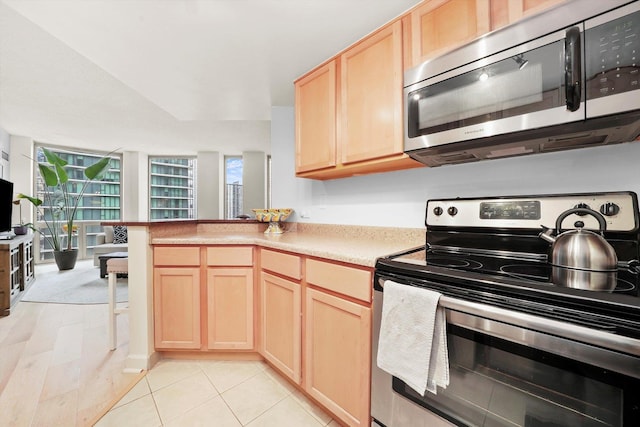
x=214 y=393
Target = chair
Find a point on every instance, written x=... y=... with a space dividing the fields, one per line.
x=115 y=266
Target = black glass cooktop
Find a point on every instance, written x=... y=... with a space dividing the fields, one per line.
x=526 y=268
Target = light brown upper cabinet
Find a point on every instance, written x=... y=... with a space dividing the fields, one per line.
x=362 y=88
x=371 y=97
x=441 y=25
x=504 y=12
x=316 y=119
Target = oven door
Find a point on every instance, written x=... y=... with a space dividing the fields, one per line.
x=505 y=374
x=518 y=89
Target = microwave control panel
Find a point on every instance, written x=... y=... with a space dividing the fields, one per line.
x=613 y=55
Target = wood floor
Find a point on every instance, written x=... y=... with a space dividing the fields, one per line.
x=55 y=367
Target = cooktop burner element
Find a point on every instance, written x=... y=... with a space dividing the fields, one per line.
x=454 y=263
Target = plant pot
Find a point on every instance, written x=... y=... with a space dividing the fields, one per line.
x=20 y=230
x=66 y=260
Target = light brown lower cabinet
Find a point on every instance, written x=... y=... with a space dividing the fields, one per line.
x=281 y=324
x=230 y=308
x=203 y=298
x=338 y=355
x=176 y=307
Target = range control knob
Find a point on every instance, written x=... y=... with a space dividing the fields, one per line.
x=452 y=210
x=609 y=209
x=437 y=211
x=581 y=206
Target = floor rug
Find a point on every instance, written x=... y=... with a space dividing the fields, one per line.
x=82 y=285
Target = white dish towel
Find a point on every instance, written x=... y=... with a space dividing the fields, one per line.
x=413 y=338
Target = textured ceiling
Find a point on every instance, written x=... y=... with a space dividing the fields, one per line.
x=166 y=76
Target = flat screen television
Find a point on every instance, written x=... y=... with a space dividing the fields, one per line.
x=6 y=206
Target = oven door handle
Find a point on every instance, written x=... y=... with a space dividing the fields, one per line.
x=619 y=353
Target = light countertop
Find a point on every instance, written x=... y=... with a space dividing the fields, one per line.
x=350 y=244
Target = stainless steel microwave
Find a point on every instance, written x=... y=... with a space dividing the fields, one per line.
x=566 y=78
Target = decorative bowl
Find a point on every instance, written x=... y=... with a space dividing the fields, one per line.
x=273 y=216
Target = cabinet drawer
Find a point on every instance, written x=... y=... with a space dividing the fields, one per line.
x=230 y=256
x=173 y=255
x=285 y=264
x=349 y=281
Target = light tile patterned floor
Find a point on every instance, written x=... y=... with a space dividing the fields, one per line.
x=214 y=393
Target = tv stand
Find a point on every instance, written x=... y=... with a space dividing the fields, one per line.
x=16 y=270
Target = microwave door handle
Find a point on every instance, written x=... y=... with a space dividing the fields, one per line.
x=572 y=68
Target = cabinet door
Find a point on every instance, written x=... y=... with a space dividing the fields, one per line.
x=176 y=304
x=315 y=109
x=371 y=97
x=441 y=25
x=281 y=324
x=504 y=12
x=338 y=355
x=230 y=308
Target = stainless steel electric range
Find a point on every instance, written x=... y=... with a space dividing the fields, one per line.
x=523 y=351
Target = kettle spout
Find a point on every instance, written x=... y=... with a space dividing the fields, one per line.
x=545 y=234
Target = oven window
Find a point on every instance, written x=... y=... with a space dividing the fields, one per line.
x=497 y=383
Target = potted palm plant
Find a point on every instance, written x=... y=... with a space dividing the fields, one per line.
x=21 y=228
x=58 y=210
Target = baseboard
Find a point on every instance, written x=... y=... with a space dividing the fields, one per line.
x=141 y=362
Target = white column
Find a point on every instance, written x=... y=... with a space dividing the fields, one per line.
x=208 y=185
x=254 y=181
x=135 y=186
x=142 y=354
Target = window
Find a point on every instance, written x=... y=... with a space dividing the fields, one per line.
x=172 y=188
x=100 y=202
x=233 y=186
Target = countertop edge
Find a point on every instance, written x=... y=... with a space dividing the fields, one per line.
x=363 y=252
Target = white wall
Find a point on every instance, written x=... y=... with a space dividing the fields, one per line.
x=4 y=148
x=399 y=198
x=21 y=160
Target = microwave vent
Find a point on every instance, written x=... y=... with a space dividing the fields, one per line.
x=451 y=158
x=581 y=141
x=509 y=152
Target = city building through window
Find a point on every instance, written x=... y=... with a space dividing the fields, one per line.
x=233 y=187
x=172 y=188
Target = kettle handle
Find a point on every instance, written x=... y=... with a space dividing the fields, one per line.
x=597 y=215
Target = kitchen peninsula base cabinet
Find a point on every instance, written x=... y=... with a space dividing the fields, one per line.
x=230 y=308
x=330 y=358
x=176 y=297
x=338 y=339
x=281 y=324
x=313 y=316
x=338 y=352
x=281 y=311
x=203 y=298
x=176 y=301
